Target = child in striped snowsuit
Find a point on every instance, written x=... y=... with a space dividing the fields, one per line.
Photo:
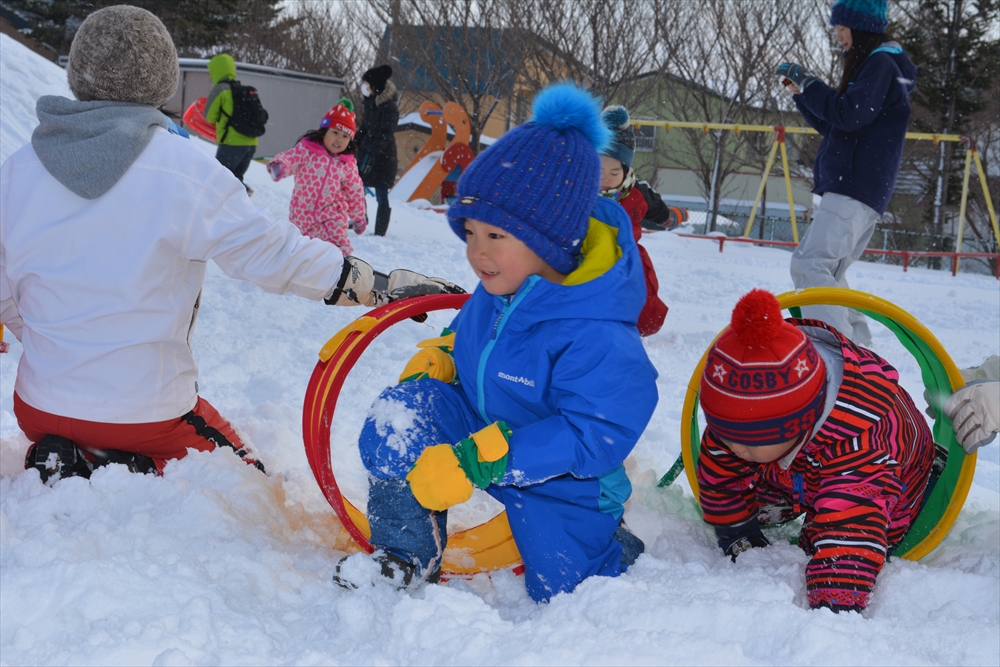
x=803 y=421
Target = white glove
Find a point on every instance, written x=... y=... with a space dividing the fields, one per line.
x=988 y=370
x=360 y=285
x=975 y=413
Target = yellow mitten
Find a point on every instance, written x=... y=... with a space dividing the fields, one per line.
x=432 y=361
x=437 y=480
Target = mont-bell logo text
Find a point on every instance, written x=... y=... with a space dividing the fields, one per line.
x=516 y=378
x=467 y=201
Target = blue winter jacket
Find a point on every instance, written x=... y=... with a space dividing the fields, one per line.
x=863 y=129
x=563 y=366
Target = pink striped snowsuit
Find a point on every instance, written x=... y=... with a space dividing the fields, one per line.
x=859 y=481
x=328 y=192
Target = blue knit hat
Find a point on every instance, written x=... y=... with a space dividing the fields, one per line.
x=867 y=15
x=540 y=181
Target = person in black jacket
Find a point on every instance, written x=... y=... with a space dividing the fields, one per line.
x=376 y=139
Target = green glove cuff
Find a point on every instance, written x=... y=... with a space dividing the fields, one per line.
x=447 y=348
x=481 y=473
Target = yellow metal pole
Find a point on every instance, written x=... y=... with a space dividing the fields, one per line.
x=705 y=127
x=986 y=195
x=788 y=189
x=760 y=190
x=961 y=212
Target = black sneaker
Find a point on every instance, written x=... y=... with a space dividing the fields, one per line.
x=395 y=569
x=55 y=456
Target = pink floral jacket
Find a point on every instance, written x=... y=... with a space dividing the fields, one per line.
x=328 y=195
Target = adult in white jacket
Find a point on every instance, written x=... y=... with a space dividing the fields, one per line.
x=106 y=224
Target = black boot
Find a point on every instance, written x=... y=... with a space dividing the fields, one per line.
x=56 y=456
x=134 y=462
x=632 y=546
x=382 y=220
x=395 y=569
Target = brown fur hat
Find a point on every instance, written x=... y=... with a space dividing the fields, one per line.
x=123 y=54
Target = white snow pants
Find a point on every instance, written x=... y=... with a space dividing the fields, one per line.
x=839 y=233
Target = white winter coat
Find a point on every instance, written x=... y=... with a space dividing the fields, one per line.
x=102 y=292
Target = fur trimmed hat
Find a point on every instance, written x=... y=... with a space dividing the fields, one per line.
x=377 y=77
x=123 y=54
x=340 y=117
x=764 y=383
x=867 y=15
x=540 y=181
x=622 y=144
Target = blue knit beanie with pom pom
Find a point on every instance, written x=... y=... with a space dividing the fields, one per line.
x=867 y=15
x=540 y=181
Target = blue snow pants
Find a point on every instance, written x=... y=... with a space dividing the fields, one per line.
x=564 y=527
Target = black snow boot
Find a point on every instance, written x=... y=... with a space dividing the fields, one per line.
x=632 y=546
x=382 y=220
x=400 y=571
x=55 y=456
x=134 y=462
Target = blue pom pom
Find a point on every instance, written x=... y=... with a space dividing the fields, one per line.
x=615 y=117
x=564 y=106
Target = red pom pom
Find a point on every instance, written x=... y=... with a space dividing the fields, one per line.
x=757 y=318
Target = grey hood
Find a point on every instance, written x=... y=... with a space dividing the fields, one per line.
x=88 y=146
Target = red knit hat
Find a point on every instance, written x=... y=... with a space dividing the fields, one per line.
x=341 y=117
x=764 y=383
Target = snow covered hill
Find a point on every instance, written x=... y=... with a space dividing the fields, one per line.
x=214 y=563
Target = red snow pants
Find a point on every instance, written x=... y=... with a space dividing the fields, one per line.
x=161 y=441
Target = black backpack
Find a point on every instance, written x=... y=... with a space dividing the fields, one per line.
x=249 y=115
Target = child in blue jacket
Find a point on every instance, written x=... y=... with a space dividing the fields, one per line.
x=549 y=387
x=863 y=122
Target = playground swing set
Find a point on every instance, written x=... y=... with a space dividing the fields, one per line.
x=780 y=132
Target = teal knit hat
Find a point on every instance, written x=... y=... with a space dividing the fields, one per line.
x=867 y=15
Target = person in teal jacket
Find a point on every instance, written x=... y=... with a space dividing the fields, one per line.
x=541 y=387
x=235 y=150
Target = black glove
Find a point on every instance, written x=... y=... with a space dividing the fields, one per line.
x=797 y=74
x=403 y=284
x=360 y=285
x=753 y=541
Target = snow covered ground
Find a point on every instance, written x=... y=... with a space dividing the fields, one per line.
x=214 y=563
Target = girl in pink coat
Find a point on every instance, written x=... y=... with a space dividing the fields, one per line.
x=328 y=198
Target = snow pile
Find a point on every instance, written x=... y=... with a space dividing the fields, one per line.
x=214 y=563
x=24 y=77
